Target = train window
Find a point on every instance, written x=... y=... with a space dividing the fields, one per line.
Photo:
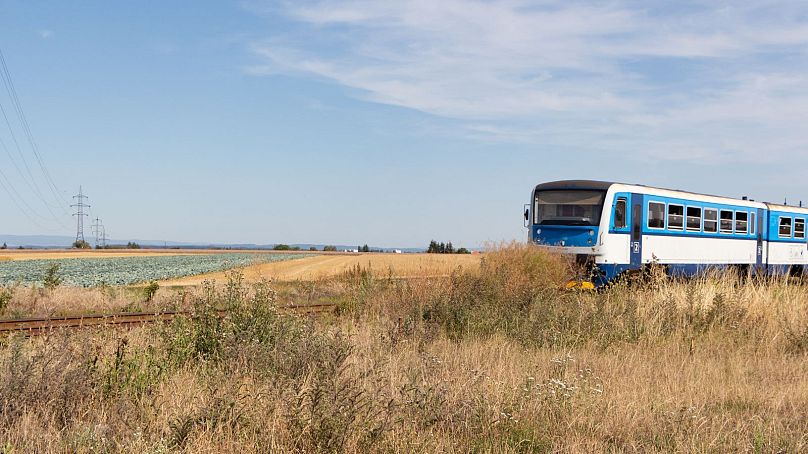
x=694 y=219
x=726 y=221
x=799 y=228
x=656 y=215
x=568 y=207
x=741 y=224
x=785 y=227
x=752 y=223
x=676 y=215
x=710 y=220
x=620 y=214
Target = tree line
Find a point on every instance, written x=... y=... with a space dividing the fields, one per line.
x=445 y=248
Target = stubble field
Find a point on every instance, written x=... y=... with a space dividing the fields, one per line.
x=492 y=357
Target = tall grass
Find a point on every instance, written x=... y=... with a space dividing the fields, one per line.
x=495 y=359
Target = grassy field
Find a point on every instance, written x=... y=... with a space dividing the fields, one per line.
x=491 y=358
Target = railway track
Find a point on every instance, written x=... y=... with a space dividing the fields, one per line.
x=41 y=325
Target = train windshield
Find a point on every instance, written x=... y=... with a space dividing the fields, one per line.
x=568 y=207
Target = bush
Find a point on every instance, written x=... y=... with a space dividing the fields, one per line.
x=81 y=244
x=282 y=247
x=149 y=290
x=330 y=248
x=52 y=279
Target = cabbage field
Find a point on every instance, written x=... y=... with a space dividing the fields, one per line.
x=88 y=272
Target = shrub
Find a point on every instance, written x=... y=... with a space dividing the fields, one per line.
x=52 y=279
x=150 y=290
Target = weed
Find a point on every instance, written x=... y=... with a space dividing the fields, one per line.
x=5 y=297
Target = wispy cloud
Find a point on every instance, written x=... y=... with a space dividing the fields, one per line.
x=691 y=80
x=45 y=34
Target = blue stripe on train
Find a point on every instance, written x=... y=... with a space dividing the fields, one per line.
x=609 y=271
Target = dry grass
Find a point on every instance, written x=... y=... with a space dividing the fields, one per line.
x=490 y=359
x=39 y=302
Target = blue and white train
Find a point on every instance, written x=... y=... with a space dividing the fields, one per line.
x=620 y=228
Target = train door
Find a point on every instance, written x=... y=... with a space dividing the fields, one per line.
x=636 y=230
x=759 y=232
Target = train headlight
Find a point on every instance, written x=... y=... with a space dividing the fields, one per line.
x=538 y=231
x=591 y=232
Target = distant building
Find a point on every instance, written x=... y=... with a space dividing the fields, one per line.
x=397 y=251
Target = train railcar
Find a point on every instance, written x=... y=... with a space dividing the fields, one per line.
x=617 y=228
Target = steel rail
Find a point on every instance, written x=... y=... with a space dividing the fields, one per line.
x=39 y=325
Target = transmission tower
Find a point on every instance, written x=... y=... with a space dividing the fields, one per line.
x=80 y=214
x=98 y=229
x=103 y=236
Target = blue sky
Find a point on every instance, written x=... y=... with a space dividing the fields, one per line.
x=389 y=123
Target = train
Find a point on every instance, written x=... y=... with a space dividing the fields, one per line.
x=615 y=229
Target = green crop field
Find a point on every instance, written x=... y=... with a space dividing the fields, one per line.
x=88 y=272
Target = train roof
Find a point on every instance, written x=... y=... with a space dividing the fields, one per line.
x=596 y=185
x=575 y=184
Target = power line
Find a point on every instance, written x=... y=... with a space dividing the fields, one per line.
x=27 y=175
x=80 y=214
x=20 y=202
x=8 y=186
x=31 y=181
x=9 y=82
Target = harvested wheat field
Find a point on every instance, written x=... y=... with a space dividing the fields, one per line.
x=323 y=266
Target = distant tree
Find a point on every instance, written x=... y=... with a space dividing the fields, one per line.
x=81 y=244
x=132 y=245
x=282 y=247
x=295 y=248
x=445 y=248
x=5 y=246
x=313 y=248
x=20 y=247
x=330 y=248
x=365 y=248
